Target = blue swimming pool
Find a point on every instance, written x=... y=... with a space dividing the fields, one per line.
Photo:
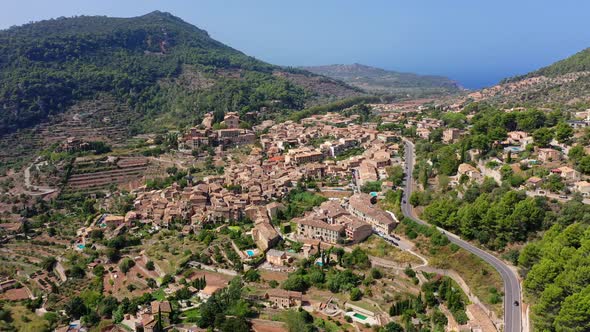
x=513 y=149
x=81 y=246
x=250 y=253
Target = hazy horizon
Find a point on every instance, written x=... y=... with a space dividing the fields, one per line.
x=476 y=44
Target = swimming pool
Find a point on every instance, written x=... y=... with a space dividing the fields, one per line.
x=359 y=316
x=513 y=149
x=81 y=246
x=373 y=194
x=250 y=253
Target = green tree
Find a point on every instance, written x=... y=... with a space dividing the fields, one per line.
x=392 y=327
x=150 y=266
x=75 y=307
x=447 y=161
x=126 y=265
x=90 y=319
x=48 y=263
x=371 y=186
x=355 y=294
x=576 y=153
x=252 y=275
x=584 y=165
x=543 y=136
x=396 y=174
x=376 y=273
x=574 y=315
x=554 y=183
x=235 y=324
x=295 y=282
x=563 y=132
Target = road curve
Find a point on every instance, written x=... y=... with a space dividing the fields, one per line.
x=512 y=291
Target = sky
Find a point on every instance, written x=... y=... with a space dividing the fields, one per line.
x=474 y=42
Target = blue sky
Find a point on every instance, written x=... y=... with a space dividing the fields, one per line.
x=475 y=42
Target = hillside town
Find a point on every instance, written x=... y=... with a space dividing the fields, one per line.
x=316 y=193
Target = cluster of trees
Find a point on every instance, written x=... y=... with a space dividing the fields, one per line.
x=556 y=272
x=371 y=186
x=396 y=175
x=336 y=280
x=580 y=158
x=299 y=200
x=92 y=306
x=493 y=218
x=332 y=279
x=225 y=310
x=448 y=293
x=439 y=290
x=242 y=241
x=116 y=244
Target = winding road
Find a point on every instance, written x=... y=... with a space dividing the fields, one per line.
x=512 y=291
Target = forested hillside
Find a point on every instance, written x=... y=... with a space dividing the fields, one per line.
x=557 y=271
x=575 y=63
x=47 y=66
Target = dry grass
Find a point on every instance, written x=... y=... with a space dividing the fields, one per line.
x=168 y=251
x=479 y=276
x=27 y=321
x=376 y=246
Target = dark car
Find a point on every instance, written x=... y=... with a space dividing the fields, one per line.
x=516 y=303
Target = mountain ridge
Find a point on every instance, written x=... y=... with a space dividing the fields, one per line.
x=578 y=62
x=47 y=66
x=376 y=79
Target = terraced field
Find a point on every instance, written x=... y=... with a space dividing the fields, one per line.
x=92 y=177
x=101 y=119
x=67 y=290
x=26 y=255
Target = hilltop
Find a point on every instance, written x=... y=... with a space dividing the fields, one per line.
x=385 y=81
x=152 y=65
x=579 y=62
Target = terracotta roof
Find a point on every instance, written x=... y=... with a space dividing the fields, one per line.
x=163 y=307
x=362 y=203
x=319 y=224
x=275 y=253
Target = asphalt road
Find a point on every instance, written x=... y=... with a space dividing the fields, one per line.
x=512 y=291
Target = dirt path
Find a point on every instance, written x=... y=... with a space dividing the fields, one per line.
x=36 y=190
